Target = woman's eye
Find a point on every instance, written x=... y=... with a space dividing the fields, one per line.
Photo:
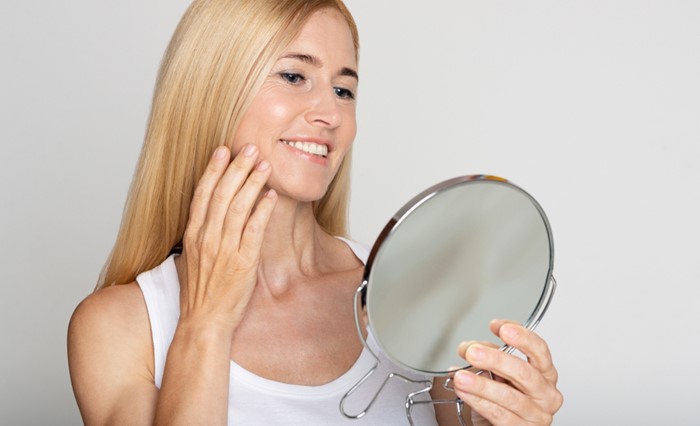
x=292 y=77
x=344 y=93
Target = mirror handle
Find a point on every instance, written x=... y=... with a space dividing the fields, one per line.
x=410 y=402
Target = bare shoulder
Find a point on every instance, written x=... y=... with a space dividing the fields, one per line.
x=115 y=316
x=120 y=297
x=110 y=353
x=340 y=255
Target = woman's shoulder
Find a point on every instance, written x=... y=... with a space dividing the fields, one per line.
x=114 y=316
x=110 y=326
x=109 y=349
x=113 y=307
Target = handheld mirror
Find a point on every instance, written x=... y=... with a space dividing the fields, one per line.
x=458 y=255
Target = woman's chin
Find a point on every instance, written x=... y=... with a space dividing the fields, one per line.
x=301 y=193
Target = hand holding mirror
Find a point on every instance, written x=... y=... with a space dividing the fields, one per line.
x=458 y=255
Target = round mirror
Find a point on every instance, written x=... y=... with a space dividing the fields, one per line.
x=463 y=252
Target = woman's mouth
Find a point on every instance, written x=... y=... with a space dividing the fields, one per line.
x=309 y=147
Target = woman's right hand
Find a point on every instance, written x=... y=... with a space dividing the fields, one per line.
x=218 y=272
x=223 y=238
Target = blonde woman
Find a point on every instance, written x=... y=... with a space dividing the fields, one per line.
x=226 y=296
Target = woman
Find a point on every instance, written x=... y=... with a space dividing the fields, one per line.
x=245 y=164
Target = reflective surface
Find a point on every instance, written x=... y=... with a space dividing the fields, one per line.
x=458 y=255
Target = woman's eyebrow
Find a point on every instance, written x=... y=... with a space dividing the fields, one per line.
x=315 y=61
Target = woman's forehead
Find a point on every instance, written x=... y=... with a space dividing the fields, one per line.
x=327 y=36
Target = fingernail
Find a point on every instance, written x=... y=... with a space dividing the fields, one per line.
x=271 y=194
x=220 y=152
x=476 y=352
x=264 y=165
x=508 y=331
x=464 y=378
x=249 y=150
x=462 y=348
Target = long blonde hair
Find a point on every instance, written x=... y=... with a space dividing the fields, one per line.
x=220 y=54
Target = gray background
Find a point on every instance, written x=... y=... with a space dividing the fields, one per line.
x=592 y=106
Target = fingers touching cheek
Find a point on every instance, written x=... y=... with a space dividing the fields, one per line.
x=202 y=194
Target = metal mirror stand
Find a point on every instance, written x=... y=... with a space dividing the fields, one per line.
x=550 y=287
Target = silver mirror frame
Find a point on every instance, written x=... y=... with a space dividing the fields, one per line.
x=360 y=299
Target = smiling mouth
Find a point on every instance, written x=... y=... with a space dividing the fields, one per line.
x=309 y=147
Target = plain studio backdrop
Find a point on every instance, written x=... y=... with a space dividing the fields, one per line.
x=592 y=106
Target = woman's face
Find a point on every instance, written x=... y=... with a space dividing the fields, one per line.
x=303 y=118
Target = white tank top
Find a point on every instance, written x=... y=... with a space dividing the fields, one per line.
x=254 y=400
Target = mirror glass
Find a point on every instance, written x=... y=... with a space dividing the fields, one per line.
x=458 y=255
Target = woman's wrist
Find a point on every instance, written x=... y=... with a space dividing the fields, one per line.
x=204 y=333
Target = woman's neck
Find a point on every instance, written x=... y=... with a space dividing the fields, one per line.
x=293 y=246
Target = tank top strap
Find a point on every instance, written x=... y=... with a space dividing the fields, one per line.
x=161 y=291
x=361 y=250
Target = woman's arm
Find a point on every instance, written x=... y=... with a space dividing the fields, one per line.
x=111 y=363
x=219 y=270
x=219 y=266
x=110 y=356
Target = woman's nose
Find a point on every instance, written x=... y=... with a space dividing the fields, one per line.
x=323 y=110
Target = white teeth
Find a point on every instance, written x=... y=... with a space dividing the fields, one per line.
x=310 y=147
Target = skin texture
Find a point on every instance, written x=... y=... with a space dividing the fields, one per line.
x=258 y=274
x=306 y=99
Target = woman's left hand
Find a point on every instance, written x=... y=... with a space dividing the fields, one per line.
x=524 y=392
